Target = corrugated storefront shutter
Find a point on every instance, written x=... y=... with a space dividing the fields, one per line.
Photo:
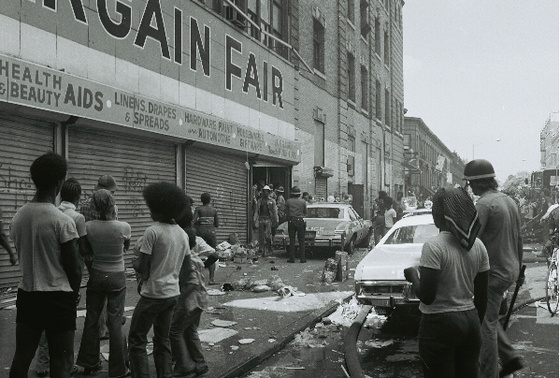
x=225 y=178
x=21 y=141
x=320 y=189
x=133 y=161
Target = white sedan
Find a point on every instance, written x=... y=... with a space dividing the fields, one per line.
x=379 y=278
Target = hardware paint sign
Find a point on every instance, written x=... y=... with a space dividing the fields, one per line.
x=179 y=39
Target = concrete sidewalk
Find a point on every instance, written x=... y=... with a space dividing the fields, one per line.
x=265 y=321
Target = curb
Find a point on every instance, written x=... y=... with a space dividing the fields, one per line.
x=304 y=322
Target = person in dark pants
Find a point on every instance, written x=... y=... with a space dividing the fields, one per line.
x=266 y=215
x=109 y=239
x=185 y=342
x=500 y=232
x=452 y=289
x=160 y=254
x=46 y=242
x=296 y=210
x=206 y=221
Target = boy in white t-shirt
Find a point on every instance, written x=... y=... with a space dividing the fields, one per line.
x=45 y=240
x=161 y=252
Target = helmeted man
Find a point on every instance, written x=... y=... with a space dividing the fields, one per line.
x=266 y=215
x=501 y=234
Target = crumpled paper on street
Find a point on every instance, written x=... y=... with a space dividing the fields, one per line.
x=346 y=312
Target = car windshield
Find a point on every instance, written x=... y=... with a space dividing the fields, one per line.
x=412 y=234
x=325 y=212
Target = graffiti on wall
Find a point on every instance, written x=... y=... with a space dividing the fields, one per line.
x=134 y=182
x=13 y=183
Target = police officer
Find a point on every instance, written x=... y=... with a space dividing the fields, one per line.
x=500 y=232
x=296 y=210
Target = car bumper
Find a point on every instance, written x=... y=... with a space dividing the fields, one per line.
x=334 y=241
x=389 y=294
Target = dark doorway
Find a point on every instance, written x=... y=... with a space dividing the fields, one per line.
x=277 y=176
x=357 y=192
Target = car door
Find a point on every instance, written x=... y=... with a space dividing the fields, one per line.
x=360 y=226
x=354 y=223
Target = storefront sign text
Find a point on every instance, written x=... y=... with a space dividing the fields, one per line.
x=44 y=88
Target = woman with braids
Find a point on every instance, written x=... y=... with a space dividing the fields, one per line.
x=452 y=288
x=109 y=239
x=160 y=254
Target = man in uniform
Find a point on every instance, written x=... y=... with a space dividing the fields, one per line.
x=501 y=234
x=266 y=215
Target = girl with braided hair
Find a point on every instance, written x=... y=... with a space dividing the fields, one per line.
x=452 y=288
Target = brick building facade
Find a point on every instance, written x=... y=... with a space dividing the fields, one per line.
x=429 y=164
x=353 y=98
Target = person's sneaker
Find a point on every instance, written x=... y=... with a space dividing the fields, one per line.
x=302 y=261
x=85 y=371
x=511 y=366
x=291 y=261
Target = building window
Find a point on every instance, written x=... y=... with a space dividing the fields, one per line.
x=364 y=80
x=406 y=142
x=377 y=36
x=271 y=15
x=351 y=143
x=364 y=24
x=387 y=108
x=319 y=151
x=386 y=45
x=318 y=46
x=351 y=11
x=351 y=78
x=378 y=100
x=350 y=161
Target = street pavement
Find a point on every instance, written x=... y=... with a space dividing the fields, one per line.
x=264 y=323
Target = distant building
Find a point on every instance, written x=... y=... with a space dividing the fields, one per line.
x=549 y=143
x=350 y=104
x=428 y=162
x=547 y=176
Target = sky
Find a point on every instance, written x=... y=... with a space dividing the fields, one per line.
x=483 y=75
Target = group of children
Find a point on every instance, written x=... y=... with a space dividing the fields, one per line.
x=52 y=245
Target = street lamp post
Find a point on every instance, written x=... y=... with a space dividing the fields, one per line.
x=478 y=144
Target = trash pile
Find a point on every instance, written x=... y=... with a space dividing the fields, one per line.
x=236 y=252
x=345 y=313
x=314 y=337
x=273 y=283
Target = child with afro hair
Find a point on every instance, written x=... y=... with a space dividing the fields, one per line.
x=161 y=252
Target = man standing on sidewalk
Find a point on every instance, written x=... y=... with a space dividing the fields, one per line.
x=45 y=240
x=266 y=215
x=501 y=234
x=296 y=210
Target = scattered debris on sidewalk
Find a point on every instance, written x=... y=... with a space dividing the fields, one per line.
x=223 y=323
x=246 y=341
x=214 y=292
x=345 y=313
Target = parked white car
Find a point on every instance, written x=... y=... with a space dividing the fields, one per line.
x=330 y=225
x=379 y=277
